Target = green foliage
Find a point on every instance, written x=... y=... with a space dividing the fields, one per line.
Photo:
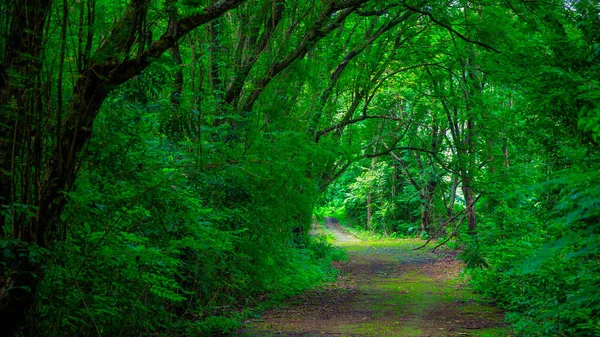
x=150 y=236
x=173 y=189
x=532 y=161
x=473 y=256
x=215 y=325
x=545 y=275
x=389 y=211
x=540 y=234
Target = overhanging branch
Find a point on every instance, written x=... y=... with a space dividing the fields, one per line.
x=392 y=149
x=130 y=68
x=449 y=28
x=352 y=121
x=380 y=12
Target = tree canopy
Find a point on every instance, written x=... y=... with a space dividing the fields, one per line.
x=161 y=161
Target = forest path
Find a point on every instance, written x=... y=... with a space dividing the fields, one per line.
x=386 y=288
x=332 y=225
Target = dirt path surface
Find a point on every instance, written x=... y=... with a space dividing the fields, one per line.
x=333 y=226
x=386 y=289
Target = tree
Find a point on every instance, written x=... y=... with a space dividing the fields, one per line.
x=43 y=147
x=55 y=163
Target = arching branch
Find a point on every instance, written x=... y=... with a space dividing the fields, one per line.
x=130 y=68
x=449 y=28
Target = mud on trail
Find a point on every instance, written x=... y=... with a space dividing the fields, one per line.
x=386 y=288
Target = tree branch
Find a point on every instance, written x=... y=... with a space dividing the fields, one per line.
x=252 y=49
x=130 y=68
x=446 y=223
x=450 y=29
x=380 y=12
x=390 y=150
x=352 y=121
x=319 y=30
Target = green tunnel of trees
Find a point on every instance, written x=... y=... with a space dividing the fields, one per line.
x=160 y=161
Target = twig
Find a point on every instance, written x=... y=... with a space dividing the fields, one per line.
x=455 y=227
x=442 y=225
x=87 y=309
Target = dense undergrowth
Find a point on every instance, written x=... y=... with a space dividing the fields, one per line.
x=542 y=265
x=539 y=263
x=149 y=234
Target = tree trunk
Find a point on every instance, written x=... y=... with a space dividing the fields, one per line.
x=175 y=124
x=425 y=216
x=427 y=206
x=19 y=277
x=450 y=205
x=505 y=152
x=18 y=104
x=369 y=223
x=470 y=206
x=466 y=175
x=369 y=194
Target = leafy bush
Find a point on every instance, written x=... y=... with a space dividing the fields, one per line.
x=152 y=244
x=545 y=273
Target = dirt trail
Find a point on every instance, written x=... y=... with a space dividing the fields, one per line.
x=333 y=226
x=386 y=288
